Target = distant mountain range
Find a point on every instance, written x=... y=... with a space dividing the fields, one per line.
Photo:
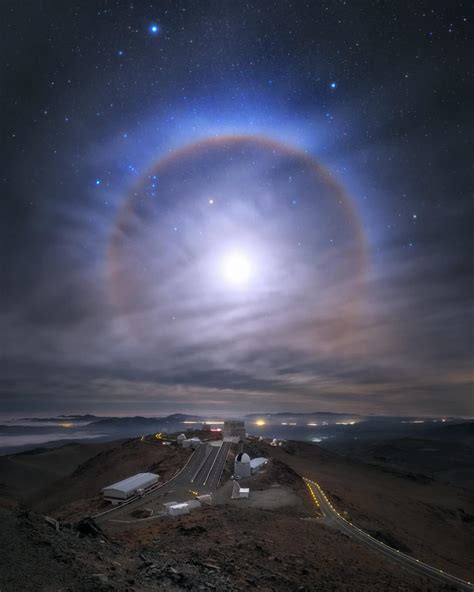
x=316 y=426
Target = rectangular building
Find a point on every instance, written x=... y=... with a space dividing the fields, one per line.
x=119 y=492
x=234 y=429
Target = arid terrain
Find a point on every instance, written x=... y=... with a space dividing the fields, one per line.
x=271 y=541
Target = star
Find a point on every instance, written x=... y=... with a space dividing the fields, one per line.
x=98 y=182
x=154 y=28
x=333 y=85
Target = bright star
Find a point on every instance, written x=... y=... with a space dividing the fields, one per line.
x=154 y=28
x=211 y=201
x=333 y=85
x=98 y=181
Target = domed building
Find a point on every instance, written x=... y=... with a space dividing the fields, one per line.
x=242 y=465
x=180 y=439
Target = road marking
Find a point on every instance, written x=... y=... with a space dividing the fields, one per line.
x=206 y=456
x=212 y=466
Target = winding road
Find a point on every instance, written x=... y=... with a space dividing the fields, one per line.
x=332 y=517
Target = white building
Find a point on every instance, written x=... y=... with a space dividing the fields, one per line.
x=191 y=443
x=139 y=484
x=257 y=463
x=180 y=439
x=242 y=465
x=240 y=492
x=178 y=509
x=206 y=498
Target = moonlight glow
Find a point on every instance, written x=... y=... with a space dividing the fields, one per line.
x=237 y=269
x=182 y=270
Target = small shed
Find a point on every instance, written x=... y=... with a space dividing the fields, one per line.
x=257 y=463
x=178 y=509
x=167 y=505
x=191 y=443
x=239 y=492
x=206 y=498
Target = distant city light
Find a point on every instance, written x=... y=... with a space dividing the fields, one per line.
x=415 y=421
x=260 y=422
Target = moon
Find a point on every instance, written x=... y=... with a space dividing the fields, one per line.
x=237 y=268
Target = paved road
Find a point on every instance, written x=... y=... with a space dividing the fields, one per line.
x=208 y=475
x=332 y=517
x=202 y=473
x=213 y=477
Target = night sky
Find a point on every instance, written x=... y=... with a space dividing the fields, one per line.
x=235 y=207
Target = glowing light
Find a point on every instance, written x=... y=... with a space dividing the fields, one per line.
x=237 y=268
x=260 y=422
x=67 y=424
x=154 y=28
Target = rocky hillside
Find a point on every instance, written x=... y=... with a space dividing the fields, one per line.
x=225 y=549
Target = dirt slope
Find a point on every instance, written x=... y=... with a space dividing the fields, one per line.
x=24 y=474
x=430 y=518
x=110 y=465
